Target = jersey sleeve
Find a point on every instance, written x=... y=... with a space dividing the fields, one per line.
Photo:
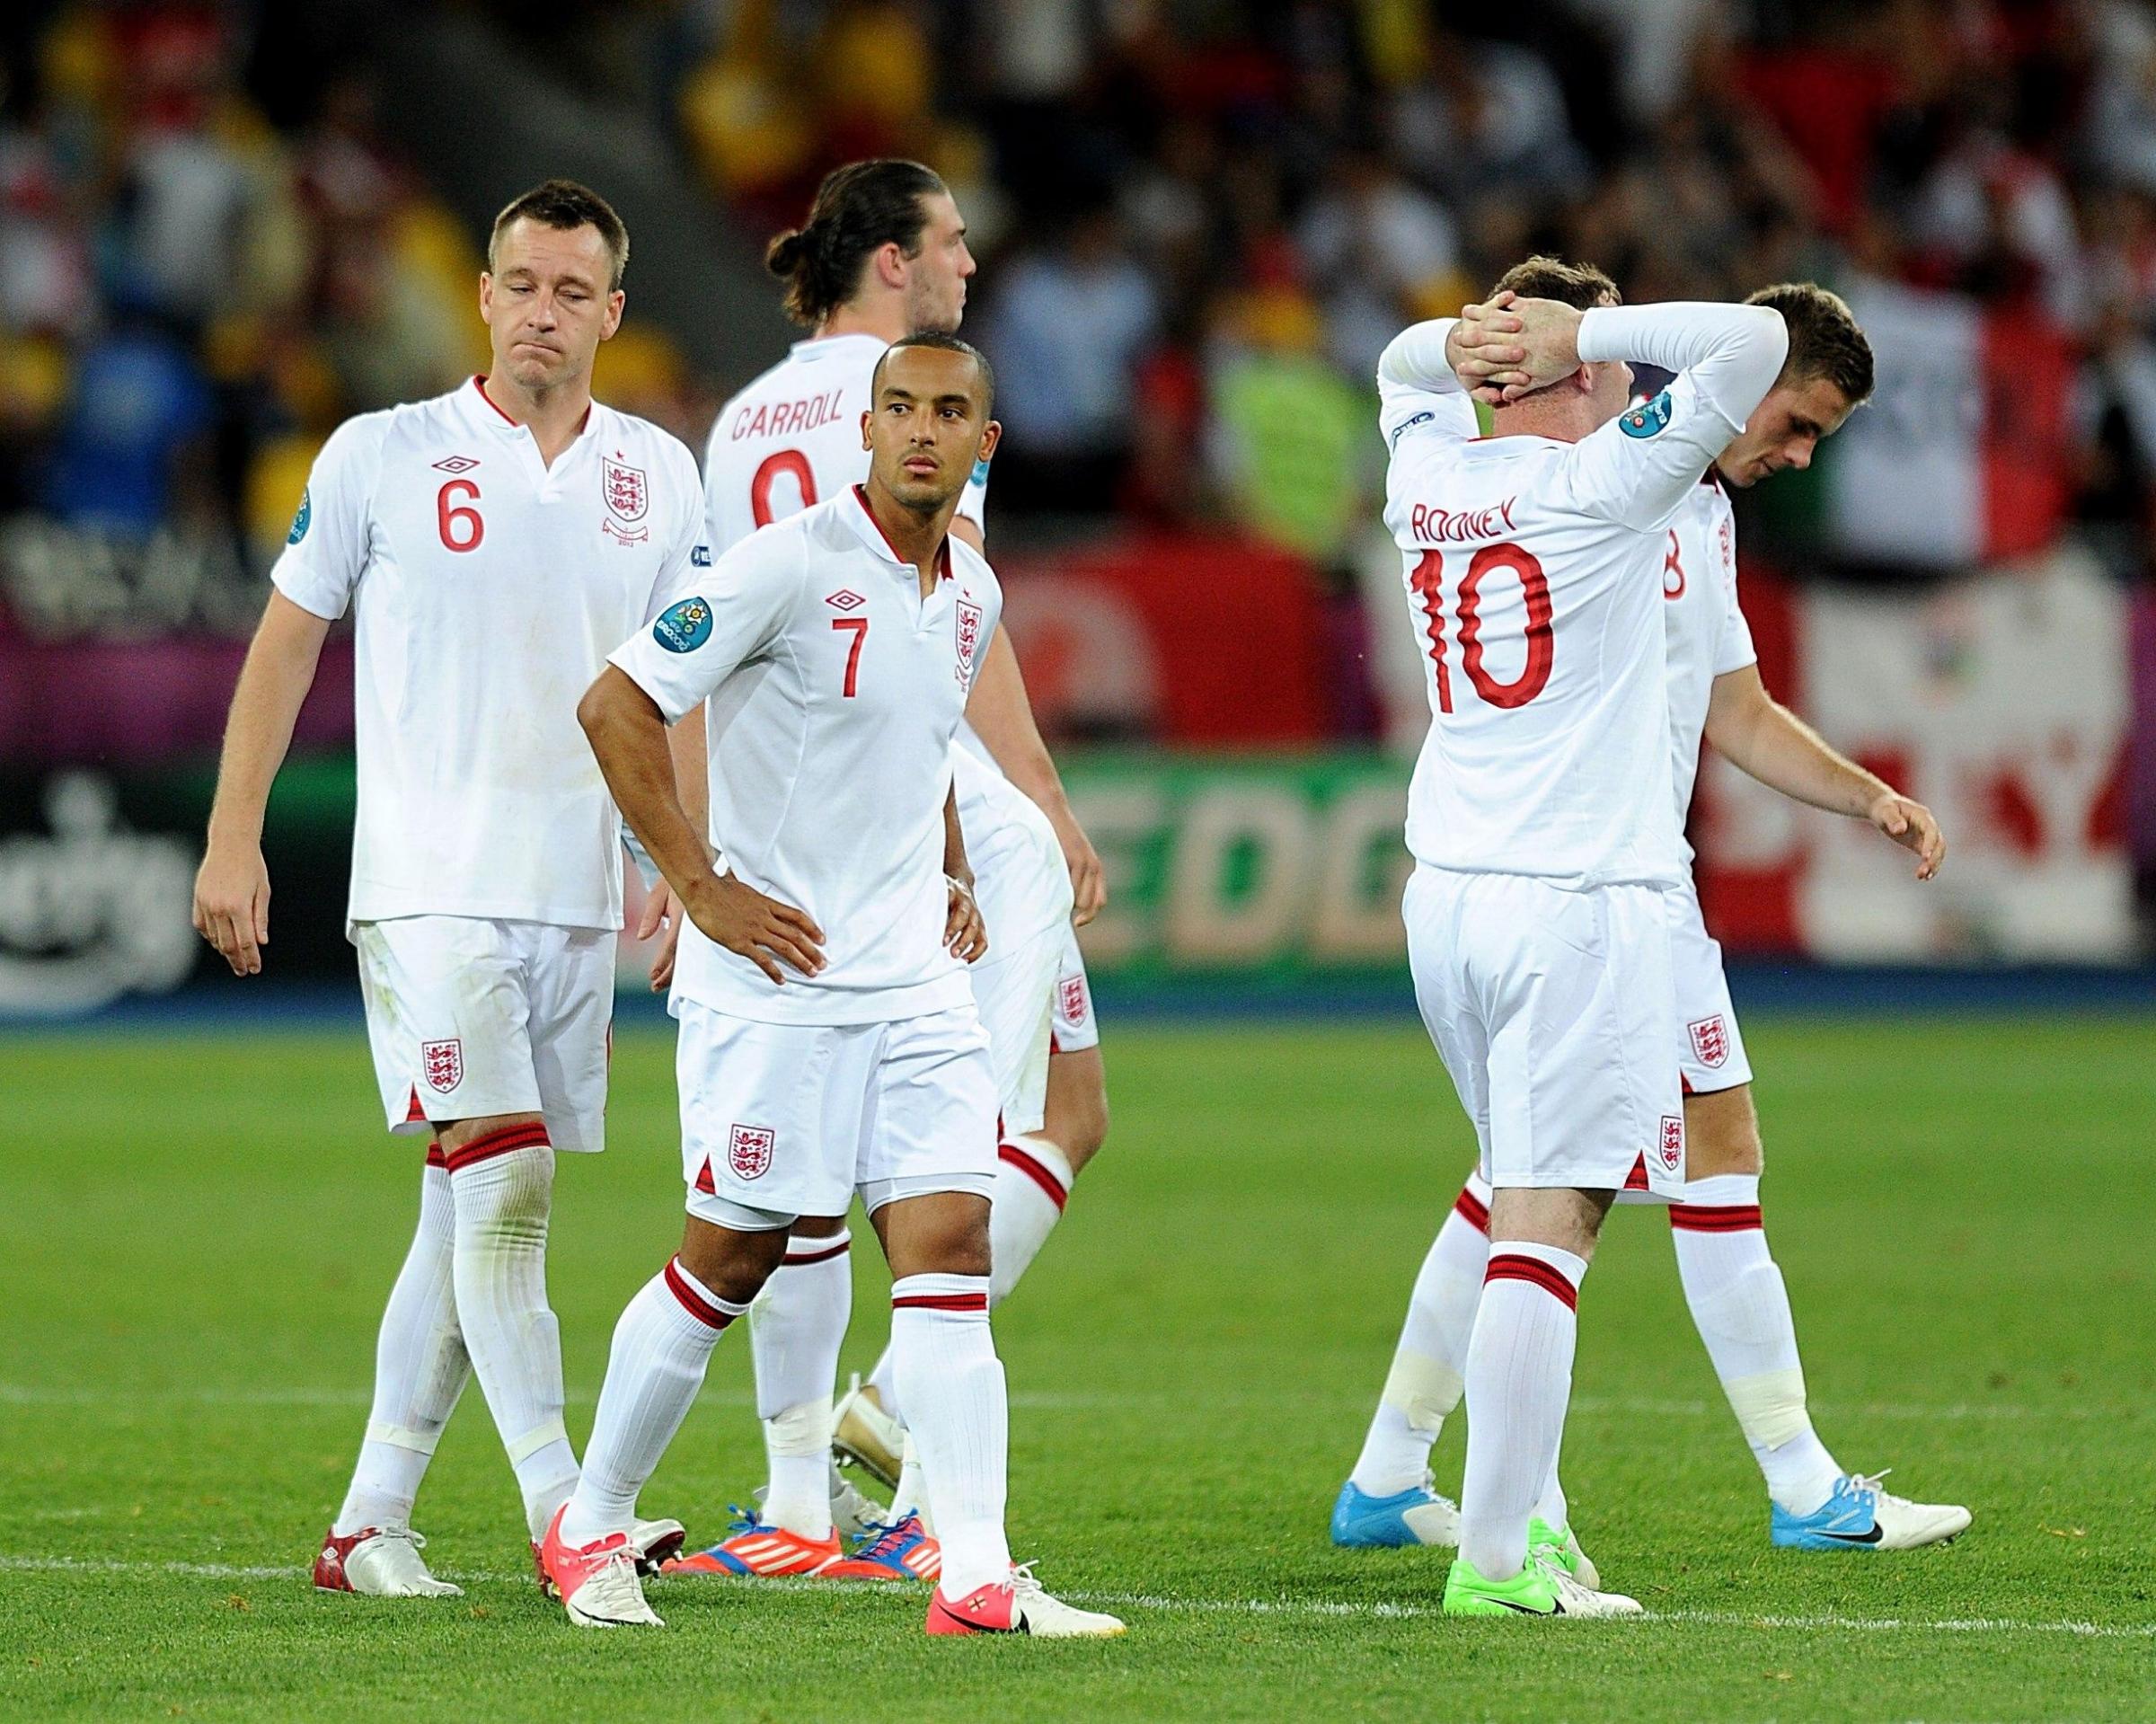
x=973 y=501
x=688 y=551
x=1417 y=390
x=326 y=551
x=1636 y=470
x=699 y=639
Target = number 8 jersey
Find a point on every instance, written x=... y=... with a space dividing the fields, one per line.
x=487 y=589
x=1533 y=575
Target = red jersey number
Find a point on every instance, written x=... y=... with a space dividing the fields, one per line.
x=1428 y=583
x=786 y=461
x=460 y=527
x=860 y=626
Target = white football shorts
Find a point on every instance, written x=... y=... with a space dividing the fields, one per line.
x=1015 y=991
x=1554 y=1012
x=469 y=1017
x=1711 y=1050
x=780 y=1120
x=1075 y=1028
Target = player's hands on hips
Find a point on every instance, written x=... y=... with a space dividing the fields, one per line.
x=1911 y=826
x=232 y=904
x=660 y=912
x=964 y=932
x=1509 y=346
x=1089 y=880
x=761 y=929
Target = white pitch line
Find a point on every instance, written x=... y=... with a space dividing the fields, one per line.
x=1326 y=1609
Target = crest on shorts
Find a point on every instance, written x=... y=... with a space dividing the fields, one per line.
x=443 y=1062
x=1070 y=998
x=1709 y=1040
x=969 y=641
x=749 y=1151
x=1672 y=1147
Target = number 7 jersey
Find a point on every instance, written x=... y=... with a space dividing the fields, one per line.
x=1533 y=575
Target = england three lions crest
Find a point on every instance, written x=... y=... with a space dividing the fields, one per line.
x=628 y=500
x=969 y=641
x=1710 y=1040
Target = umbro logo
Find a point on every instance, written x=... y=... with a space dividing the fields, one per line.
x=846 y=599
x=456 y=464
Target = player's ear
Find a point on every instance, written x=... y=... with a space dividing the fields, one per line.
x=486 y=296
x=991 y=435
x=865 y=417
x=616 y=301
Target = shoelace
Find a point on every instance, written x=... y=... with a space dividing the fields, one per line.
x=886 y=1539
x=1862 y=1486
x=418 y=1541
x=1022 y=1583
x=745 y=1519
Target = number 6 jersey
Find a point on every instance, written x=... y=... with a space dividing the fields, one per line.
x=1533 y=572
x=487 y=589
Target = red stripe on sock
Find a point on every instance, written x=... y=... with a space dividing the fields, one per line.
x=692 y=1301
x=1473 y=1210
x=1508 y=1267
x=508 y=1140
x=435 y=1158
x=1038 y=1172
x=824 y=1255
x=940 y=1301
x=1700 y=1218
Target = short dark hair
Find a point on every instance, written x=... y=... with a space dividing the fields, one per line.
x=1825 y=343
x=858 y=209
x=948 y=344
x=1580 y=286
x=565 y=205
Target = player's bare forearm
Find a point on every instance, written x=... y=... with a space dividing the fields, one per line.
x=687 y=743
x=1002 y=716
x=1764 y=740
x=273 y=687
x=629 y=737
x=954 y=841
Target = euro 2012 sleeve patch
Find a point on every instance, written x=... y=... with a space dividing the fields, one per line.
x=302 y=521
x=1647 y=418
x=684 y=627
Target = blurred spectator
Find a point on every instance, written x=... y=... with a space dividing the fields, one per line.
x=130 y=445
x=1067 y=327
x=1379 y=253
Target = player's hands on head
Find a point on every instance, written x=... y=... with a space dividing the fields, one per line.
x=1089 y=879
x=964 y=932
x=1911 y=824
x=761 y=929
x=1506 y=347
x=660 y=912
x=232 y=904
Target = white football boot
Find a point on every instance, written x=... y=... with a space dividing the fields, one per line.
x=862 y=1432
x=1020 y=1605
x=379 y=1562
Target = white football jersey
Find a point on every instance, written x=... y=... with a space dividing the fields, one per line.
x=1532 y=570
x=486 y=590
x=792 y=438
x=837 y=690
x=1706 y=632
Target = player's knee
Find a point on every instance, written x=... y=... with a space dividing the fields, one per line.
x=1075 y=1121
x=946 y=1233
x=734 y=1266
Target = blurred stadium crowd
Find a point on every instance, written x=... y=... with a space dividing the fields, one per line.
x=1198 y=221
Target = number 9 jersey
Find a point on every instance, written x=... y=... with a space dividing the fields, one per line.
x=792 y=437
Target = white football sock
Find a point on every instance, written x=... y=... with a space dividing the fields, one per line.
x=1519 y=1381
x=419 y=1370
x=912 y=1494
x=1742 y=1310
x=795 y=1330
x=1429 y=1364
x=953 y=1384
x=661 y=1346
x=1032 y=1183
x=503 y=1185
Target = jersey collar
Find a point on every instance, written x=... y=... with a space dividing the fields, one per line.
x=482 y=407
x=870 y=532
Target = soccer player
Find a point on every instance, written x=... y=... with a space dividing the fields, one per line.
x=1542 y=822
x=829 y=1040
x=1730 y=1278
x=492 y=544
x=883 y=255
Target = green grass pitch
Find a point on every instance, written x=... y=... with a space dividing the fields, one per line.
x=198 y=1228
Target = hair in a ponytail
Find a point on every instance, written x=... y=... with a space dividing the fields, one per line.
x=859 y=208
